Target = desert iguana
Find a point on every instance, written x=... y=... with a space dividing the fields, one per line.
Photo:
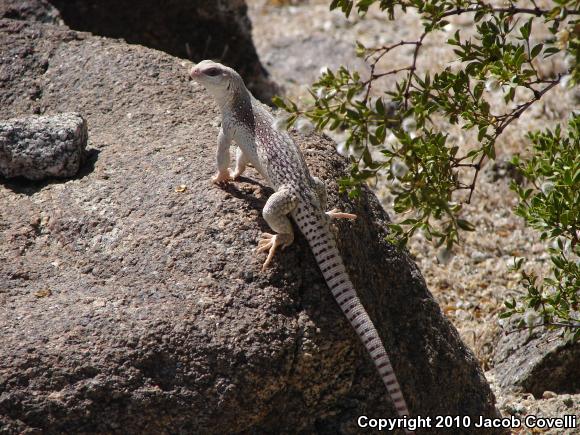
x=297 y=194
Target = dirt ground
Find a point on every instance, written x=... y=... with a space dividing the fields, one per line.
x=295 y=39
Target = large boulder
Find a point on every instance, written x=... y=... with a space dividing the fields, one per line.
x=537 y=361
x=132 y=301
x=30 y=10
x=195 y=30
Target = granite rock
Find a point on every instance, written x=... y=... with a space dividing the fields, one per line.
x=38 y=147
x=131 y=298
x=537 y=361
x=30 y=10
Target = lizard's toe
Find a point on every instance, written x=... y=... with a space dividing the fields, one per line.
x=265 y=242
x=336 y=214
x=222 y=177
x=270 y=242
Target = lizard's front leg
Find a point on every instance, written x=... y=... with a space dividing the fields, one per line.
x=223 y=158
x=241 y=163
x=275 y=212
x=321 y=192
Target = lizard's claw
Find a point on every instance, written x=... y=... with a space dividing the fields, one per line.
x=271 y=242
x=336 y=214
x=222 y=177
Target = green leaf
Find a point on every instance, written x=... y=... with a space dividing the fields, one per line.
x=279 y=102
x=550 y=51
x=481 y=133
x=506 y=314
x=526 y=29
x=380 y=107
x=381 y=133
x=465 y=225
x=536 y=50
x=436 y=171
x=360 y=49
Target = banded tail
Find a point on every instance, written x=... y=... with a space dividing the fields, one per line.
x=330 y=262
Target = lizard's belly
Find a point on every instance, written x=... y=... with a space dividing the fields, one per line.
x=276 y=158
x=250 y=150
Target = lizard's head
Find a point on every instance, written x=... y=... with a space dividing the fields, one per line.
x=218 y=79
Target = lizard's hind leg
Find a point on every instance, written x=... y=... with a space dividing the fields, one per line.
x=321 y=192
x=275 y=212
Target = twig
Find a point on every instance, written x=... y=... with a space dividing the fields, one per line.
x=511 y=10
x=393 y=71
x=386 y=48
x=477 y=168
x=505 y=121
x=560 y=324
x=413 y=67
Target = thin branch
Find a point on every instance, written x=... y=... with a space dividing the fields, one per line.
x=477 y=168
x=560 y=324
x=521 y=108
x=413 y=67
x=393 y=71
x=511 y=10
x=530 y=60
x=369 y=83
x=386 y=48
x=505 y=121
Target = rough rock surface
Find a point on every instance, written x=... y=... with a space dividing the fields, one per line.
x=30 y=10
x=537 y=362
x=196 y=30
x=131 y=300
x=38 y=147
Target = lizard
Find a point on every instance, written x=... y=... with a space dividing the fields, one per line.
x=297 y=194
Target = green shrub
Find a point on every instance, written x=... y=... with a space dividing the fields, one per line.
x=550 y=203
x=431 y=180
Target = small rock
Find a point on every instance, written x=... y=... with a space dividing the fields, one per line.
x=514 y=408
x=39 y=147
x=539 y=363
x=478 y=256
x=568 y=401
x=99 y=303
x=43 y=293
x=549 y=395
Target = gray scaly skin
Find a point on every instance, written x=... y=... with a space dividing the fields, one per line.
x=297 y=194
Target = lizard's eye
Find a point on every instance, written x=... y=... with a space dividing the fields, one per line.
x=212 y=72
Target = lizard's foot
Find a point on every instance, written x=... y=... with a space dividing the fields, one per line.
x=271 y=242
x=336 y=214
x=222 y=177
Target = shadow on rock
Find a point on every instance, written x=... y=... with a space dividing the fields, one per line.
x=24 y=186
